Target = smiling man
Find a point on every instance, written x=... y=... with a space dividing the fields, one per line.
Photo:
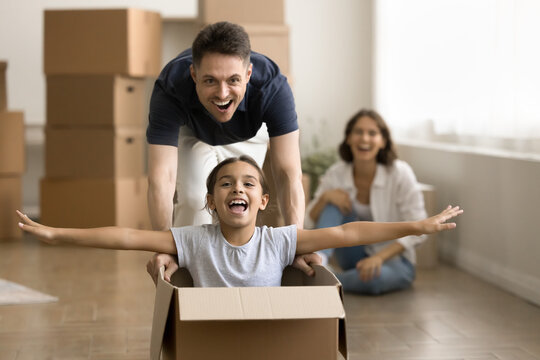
x=217 y=100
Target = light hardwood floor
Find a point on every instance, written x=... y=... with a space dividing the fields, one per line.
x=106 y=303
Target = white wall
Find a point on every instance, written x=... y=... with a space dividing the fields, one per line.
x=497 y=236
x=331 y=55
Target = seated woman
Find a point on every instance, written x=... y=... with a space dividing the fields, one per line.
x=369 y=183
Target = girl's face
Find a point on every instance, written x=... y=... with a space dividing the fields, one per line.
x=365 y=139
x=238 y=195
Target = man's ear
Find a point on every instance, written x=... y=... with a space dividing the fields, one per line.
x=264 y=202
x=193 y=73
x=249 y=72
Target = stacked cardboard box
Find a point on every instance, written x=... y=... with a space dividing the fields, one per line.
x=96 y=63
x=12 y=162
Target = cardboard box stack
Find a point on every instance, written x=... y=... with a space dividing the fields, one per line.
x=96 y=63
x=12 y=162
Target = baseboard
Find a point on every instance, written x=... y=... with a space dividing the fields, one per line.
x=520 y=284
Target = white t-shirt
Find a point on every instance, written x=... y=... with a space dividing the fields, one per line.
x=213 y=262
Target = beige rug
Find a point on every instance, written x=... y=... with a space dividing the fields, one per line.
x=13 y=294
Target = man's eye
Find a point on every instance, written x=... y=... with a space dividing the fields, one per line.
x=234 y=80
x=209 y=81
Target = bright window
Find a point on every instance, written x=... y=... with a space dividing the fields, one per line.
x=462 y=67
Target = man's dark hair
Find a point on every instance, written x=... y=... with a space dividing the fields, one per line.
x=222 y=38
x=387 y=155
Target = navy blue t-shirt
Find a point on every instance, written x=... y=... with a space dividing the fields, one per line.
x=174 y=103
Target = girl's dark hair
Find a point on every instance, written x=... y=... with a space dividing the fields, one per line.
x=222 y=38
x=212 y=178
x=386 y=155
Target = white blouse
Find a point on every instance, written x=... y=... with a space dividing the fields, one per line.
x=395 y=195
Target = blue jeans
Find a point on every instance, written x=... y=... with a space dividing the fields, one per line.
x=397 y=273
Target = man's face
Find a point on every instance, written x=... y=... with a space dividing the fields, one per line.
x=220 y=81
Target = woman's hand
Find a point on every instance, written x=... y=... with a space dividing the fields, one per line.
x=45 y=233
x=438 y=222
x=369 y=268
x=340 y=199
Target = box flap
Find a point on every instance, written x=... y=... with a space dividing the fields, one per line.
x=323 y=277
x=164 y=293
x=260 y=303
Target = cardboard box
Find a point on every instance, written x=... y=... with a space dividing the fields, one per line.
x=242 y=11
x=11 y=200
x=12 y=159
x=94 y=152
x=302 y=319
x=83 y=203
x=272 y=41
x=3 y=86
x=122 y=41
x=96 y=100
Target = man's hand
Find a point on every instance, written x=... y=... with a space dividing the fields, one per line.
x=159 y=260
x=304 y=262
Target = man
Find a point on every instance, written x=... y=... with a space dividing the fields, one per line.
x=213 y=101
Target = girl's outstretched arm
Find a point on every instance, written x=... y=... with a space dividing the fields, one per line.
x=104 y=237
x=367 y=232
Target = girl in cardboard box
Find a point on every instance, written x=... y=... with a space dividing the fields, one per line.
x=233 y=252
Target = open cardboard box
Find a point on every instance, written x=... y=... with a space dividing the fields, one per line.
x=302 y=319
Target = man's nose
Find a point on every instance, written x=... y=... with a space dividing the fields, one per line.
x=223 y=90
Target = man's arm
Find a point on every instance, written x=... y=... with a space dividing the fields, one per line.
x=287 y=170
x=162 y=166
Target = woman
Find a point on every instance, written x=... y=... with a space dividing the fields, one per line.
x=370 y=184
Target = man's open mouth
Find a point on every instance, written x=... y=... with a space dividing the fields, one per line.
x=223 y=105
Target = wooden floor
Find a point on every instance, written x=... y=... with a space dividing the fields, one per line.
x=106 y=303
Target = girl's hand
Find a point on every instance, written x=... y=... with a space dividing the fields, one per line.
x=340 y=199
x=369 y=268
x=438 y=222
x=44 y=232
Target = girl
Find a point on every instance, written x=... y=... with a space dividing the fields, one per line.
x=234 y=252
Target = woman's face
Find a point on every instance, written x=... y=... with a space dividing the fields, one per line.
x=365 y=139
